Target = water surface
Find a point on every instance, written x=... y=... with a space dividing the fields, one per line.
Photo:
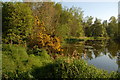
x=102 y=54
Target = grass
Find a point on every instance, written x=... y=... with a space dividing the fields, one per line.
x=77 y=39
x=17 y=63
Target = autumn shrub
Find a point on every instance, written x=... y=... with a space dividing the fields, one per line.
x=40 y=39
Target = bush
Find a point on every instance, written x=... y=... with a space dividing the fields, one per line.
x=71 y=68
x=14 y=58
x=40 y=39
x=74 y=68
x=18 y=64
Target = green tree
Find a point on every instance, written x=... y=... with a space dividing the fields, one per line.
x=87 y=26
x=76 y=28
x=45 y=12
x=97 y=29
x=62 y=27
x=105 y=25
x=112 y=28
x=17 y=21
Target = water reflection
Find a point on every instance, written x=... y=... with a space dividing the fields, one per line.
x=102 y=54
x=118 y=60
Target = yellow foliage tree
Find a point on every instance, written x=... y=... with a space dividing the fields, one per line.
x=43 y=40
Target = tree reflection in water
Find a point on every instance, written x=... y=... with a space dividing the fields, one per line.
x=118 y=60
x=90 y=49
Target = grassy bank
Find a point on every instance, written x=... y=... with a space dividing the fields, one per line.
x=77 y=39
x=17 y=63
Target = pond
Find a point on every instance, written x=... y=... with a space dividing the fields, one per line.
x=102 y=54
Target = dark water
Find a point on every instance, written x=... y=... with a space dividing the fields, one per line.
x=102 y=54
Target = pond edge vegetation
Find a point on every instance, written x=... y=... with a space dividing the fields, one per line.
x=32 y=37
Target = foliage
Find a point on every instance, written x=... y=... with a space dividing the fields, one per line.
x=18 y=64
x=52 y=23
x=48 y=12
x=58 y=21
x=66 y=67
x=96 y=29
x=58 y=18
x=42 y=40
x=71 y=22
x=112 y=28
x=17 y=21
x=87 y=26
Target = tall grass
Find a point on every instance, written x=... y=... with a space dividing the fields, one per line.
x=71 y=68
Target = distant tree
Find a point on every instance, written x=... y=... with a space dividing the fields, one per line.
x=62 y=27
x=87 y=26
x=118 y=35
x=112 y=28
x=97 y=29
x=105 y=25
x=75 y=21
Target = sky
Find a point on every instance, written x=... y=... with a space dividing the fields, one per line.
x=101 y=10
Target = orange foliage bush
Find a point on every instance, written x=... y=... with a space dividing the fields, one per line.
x=43 y=40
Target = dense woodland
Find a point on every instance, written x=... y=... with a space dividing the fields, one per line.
x=43 y=27
x=23 y=18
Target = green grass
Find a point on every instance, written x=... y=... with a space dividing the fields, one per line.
x=77 y=39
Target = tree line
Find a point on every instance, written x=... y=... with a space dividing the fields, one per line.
x=19 y=21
